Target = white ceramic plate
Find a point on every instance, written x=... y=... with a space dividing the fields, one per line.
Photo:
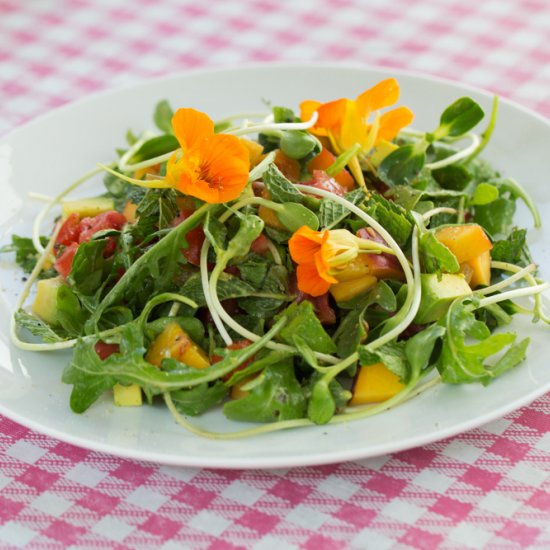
x=55 y=149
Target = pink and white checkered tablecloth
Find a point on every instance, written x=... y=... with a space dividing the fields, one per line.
x=488 y=488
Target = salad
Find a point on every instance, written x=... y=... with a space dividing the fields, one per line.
x=290 y=268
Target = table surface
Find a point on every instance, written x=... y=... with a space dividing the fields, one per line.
x=487 y=488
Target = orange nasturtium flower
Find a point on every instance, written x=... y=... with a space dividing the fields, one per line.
x=345 y=122
x=212 y=167
x=319 y=255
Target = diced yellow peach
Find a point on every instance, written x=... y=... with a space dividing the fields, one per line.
x=481 y=270
x=173 y=342
x=127 y=396
x=353 y=270
x=342 y=292
x=464 y=241
x=255 y=151
x=87 y=207
x=130 y=211
x=375 y=383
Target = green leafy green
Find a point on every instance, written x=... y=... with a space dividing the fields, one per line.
x=70 y=313
x=38 y=328
x=275 y=396
x=463 y=362
x=280 y=189
x=163 y=117
x=195 y=401
x=302 y=321
x=391 y=354
x=510 y=249
x=155 y=147
x=403 y=165
x=394 y=218
x=26 y=255
x=459 y=118
x=436 y=256
x=332 y=213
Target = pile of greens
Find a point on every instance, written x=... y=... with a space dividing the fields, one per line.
x=300 y=367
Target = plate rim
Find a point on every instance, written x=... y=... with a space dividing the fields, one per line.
x=326 y=457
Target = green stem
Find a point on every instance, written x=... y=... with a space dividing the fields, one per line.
x=486 y=135
x=342 y=160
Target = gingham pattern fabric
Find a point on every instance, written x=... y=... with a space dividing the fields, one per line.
x=488 y=488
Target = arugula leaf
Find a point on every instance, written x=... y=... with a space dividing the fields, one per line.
x=199 y=399
x=280 y=189
x=163 y=117
x=419 y=350
x=38 y=328
x=514 y=355
x=303 y=322
x=276 y=396
x=90 y=376
x=26 y=255
x=459 y=361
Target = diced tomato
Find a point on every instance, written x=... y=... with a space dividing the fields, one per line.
x=104 y=350
x=325 y=159
x=195 y=239
x=239 y=344
x=321 y=180
x=322 y=308
x=107 y=220
x=64 y=261
x=70 y=230
x=321 y=305
x=233 y=270
x=382 y=266
x=260 y=245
